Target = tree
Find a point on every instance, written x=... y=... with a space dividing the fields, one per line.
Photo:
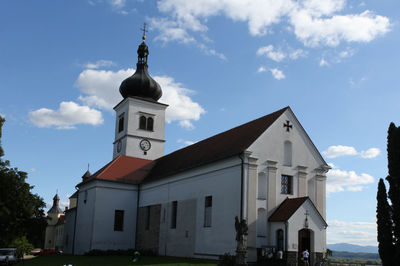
x=385 y=226
x=22 y=245
x=393 y=150
x=21 y=212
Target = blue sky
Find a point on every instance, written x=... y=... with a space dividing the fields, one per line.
x=220 y=64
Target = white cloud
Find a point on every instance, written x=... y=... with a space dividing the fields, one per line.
x=341 y=150
x=358 y=233
x=314 y=22
x=370 y=153
x=99 y=63
x=277 y=73
x=323 y=62
x=297 y=54
x=170 y=31
x=340 y=180
x=33 y=170
x=185 y=142
x=276 y=55
x=176 y=31
x=100 y=89
x=117 y=3
x=66 y=117
x=261 y=69
x=315 y=31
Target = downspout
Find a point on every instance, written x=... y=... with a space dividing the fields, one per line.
x=137 y=214
x=76 y=214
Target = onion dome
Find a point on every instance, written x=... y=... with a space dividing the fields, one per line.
x=141 y=84
x=55 y=208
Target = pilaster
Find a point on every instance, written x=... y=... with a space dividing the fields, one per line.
x=302 y=181
x=252 y=208
x=271 y=179
x=320 y=195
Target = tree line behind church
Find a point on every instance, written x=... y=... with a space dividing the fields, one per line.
x=22 y=217
x=388 y=214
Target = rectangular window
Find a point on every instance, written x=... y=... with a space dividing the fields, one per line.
x=207 y=211
x=119 y=220
x=174 y=214
x=121 y=123
x=147 y=221
x=286 y=184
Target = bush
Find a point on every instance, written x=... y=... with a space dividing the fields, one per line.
x=22 y=245
x=227 y=260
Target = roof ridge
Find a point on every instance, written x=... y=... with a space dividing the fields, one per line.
x=223 y=132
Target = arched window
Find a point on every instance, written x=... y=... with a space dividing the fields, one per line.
x=279 y=239
x=287 y=153
x=150 y=122
x=142 y=122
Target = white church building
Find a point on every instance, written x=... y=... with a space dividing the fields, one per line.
x=184 y=204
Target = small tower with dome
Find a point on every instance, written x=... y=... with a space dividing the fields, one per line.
x=55 y=225
x=140 y=118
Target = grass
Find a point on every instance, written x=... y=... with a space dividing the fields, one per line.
x=60 y=260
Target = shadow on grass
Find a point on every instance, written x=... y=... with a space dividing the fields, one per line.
x=60 y=260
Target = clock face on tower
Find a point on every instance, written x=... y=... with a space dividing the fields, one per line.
x=145 y=144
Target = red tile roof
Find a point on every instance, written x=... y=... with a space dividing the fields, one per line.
x=287 y=208
x=123 y=169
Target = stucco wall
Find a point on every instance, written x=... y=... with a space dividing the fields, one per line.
x=69 y=230
x=220 y=180
x=148 y=237
x=95 y=218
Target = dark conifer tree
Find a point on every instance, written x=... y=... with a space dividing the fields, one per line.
x=393 y=149
x=385 y=226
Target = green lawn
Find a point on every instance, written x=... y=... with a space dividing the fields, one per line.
x=60 y=260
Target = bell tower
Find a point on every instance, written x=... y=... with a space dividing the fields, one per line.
x=140 y=118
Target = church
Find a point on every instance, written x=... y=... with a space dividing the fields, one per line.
x=184 y=204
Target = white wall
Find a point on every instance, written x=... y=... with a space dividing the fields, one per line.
x=222 y=181
x=131 y=135
x=270 y=146
x=95 y=218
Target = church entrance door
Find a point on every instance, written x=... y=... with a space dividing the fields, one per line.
x=304 y=243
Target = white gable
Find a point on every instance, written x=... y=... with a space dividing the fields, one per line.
x=270 y=145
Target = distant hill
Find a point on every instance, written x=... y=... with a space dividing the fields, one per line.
x=352 y=248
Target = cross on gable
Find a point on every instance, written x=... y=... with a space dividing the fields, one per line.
x=287 y=125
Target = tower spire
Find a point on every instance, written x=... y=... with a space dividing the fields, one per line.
x=141 y=84
x=144 y=31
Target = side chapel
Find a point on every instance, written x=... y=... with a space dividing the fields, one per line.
x=266 y=171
